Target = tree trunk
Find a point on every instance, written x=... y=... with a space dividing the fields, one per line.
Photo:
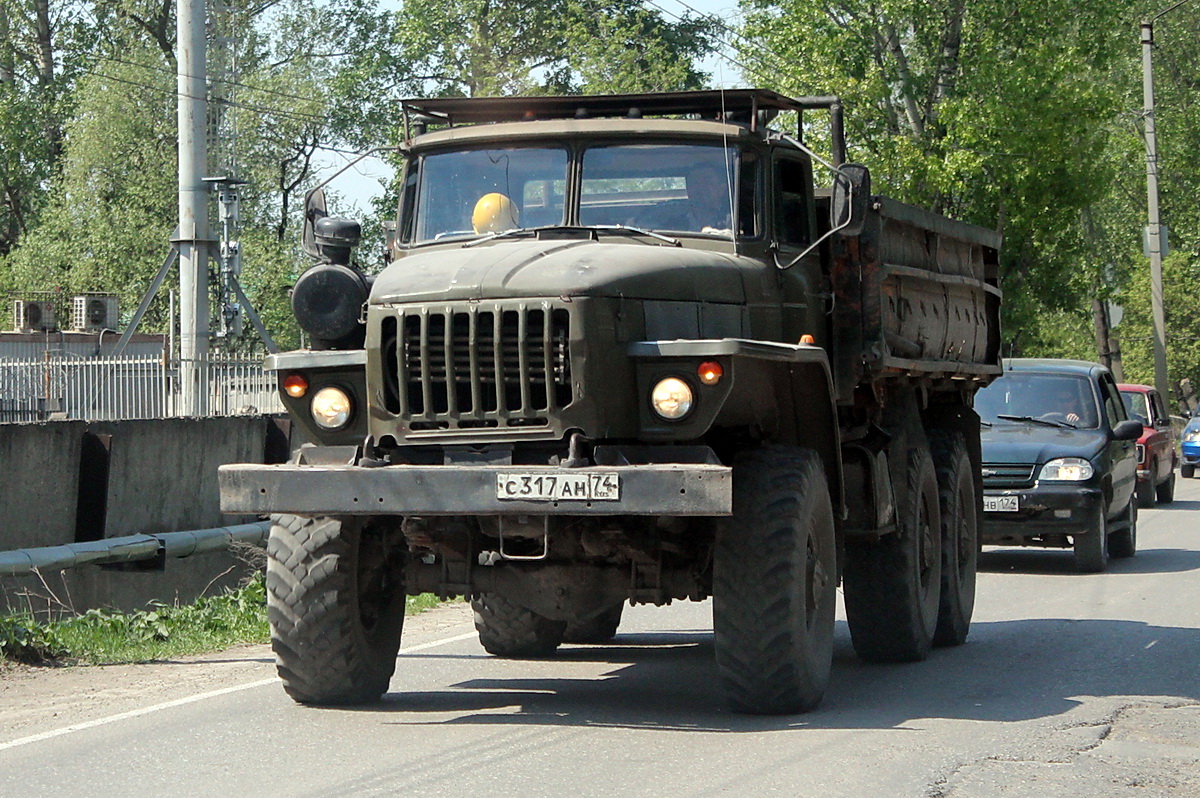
x=45 y=45
x=8 y=68
x=1107 y=347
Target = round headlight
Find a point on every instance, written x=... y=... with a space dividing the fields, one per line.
x=1067 y=469
x=671 y=398
x=330 y=408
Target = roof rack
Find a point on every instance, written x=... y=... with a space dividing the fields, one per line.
x=750 y=106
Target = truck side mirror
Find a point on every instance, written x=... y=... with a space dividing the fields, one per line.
x=851 y=195
x=314 y=209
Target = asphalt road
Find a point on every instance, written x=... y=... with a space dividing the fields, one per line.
x=1070 y=685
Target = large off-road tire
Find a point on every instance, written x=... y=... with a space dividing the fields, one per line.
x=958 y=508
x=1187 y=471
x=335 y=603
x=1123 y=542
x=1145 y=489
x=1091 y=548
x=1165 y=492
x=599 y=629
x=774 y=583
x=510 y=630
x=892 y=586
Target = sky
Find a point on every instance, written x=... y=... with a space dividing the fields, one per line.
x=364 y=181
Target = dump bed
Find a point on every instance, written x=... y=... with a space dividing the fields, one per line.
x=915 y=295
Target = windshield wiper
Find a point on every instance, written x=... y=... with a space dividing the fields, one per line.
x=1047 y=422
x=521 y=232
x=624 y=228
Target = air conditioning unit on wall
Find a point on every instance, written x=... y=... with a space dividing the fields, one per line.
x=33 y=315
x=94 y=312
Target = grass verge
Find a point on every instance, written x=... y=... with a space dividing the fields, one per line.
x=164 y=631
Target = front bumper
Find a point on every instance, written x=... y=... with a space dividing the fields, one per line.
x=1191 y=453
x=412 y=490
x=1045 y=509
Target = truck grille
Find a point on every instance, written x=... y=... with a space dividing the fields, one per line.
x=476 y=366
x=1008 y=475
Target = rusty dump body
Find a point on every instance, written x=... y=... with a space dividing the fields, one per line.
x=581 y=335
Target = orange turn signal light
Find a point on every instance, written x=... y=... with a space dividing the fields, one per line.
x=710 y=372
x=807 y=340
x=295 y=385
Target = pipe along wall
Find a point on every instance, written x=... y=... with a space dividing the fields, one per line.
x=75 y=482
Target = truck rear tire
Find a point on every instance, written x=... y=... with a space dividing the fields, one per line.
x=335 y=603
x=599 y=629
x=510 y=630
x=957 y=504
x=774 y=583
x=892 y=586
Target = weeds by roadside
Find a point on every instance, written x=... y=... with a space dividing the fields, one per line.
x=103 y=637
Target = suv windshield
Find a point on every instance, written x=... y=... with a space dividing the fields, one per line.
x=1054 y=398
x=666 y=187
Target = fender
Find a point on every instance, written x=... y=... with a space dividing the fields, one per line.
x=784 y=389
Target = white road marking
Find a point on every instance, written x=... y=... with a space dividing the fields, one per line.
x=137 y=713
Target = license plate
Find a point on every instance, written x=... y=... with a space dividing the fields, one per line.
x=558 y=487
x=1001 y=504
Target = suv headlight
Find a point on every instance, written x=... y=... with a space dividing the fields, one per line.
x=1067 y=469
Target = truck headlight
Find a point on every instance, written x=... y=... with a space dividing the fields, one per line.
x=330 y=408
x=671 y=398
x=1067 y=469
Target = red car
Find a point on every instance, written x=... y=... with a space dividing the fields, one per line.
x=1157 y=453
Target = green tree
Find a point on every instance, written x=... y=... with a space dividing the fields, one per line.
x=996 y=113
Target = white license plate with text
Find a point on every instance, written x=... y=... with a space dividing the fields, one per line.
x=558 y=487
x=1001 y=504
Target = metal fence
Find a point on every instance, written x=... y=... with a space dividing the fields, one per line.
x=60 y=385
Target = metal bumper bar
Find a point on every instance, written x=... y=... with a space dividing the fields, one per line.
x=662 y=489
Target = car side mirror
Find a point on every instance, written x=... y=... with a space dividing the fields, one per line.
x=314 y=209
x=1127 y=430
x=851 y=195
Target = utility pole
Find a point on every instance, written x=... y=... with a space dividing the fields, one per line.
x=1154 y=227
x=193 y=237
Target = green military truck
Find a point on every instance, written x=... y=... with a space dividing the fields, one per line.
x=627 y=351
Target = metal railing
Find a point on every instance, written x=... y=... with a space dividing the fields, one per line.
x=132 y=548
x=61 y=385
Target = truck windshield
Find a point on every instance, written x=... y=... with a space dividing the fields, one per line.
x=1061 y=398
x=475 y=192
x=664 y=187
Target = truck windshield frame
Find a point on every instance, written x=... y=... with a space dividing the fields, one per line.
x=667 y=186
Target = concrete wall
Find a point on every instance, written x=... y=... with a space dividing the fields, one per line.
x=80 y=481
x=39 y=482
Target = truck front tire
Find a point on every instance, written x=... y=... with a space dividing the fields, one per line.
x=892 y=586
x=774 y=583
x=335 y=603
x=510 y=630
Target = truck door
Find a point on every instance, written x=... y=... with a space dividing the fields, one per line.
x=794 y=228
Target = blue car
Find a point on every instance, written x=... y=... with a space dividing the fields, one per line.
x=1190 y=444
